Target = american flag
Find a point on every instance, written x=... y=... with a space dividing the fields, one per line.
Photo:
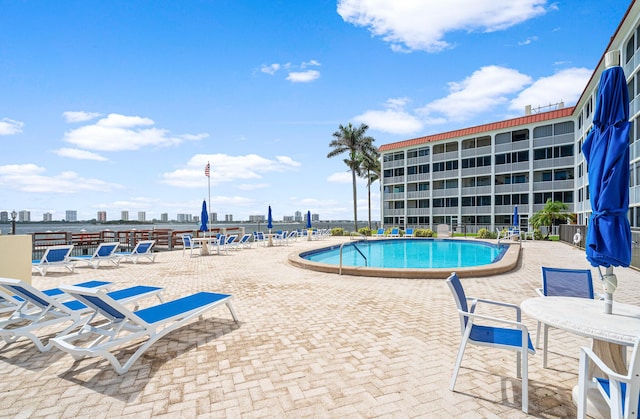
x=206 y=169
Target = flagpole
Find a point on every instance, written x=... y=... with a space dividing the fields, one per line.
x=209 y=209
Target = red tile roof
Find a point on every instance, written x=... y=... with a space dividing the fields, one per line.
x=509 y=123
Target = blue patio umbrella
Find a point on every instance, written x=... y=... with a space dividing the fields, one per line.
x=606 y=150
x=204 y=217
x=269 y=220
x=308 y=219
x=516 y=218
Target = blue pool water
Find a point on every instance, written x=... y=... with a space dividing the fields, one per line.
x=410 y=253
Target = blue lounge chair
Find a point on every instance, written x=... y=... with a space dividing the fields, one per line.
x=379 y=233
x=38 y=310
x=244 y=242
x=54 y=256
x=8 y=302
x=125 y=326
x=143 y=249
x=104 y=252
x=226 y=242
x=395 y=232
x=408 y=232
x=514 y=336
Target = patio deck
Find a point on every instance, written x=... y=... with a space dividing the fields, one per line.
x=309 y=344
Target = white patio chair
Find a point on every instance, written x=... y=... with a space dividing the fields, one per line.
x=620 y=392
x=559 y=282
x=514 y=336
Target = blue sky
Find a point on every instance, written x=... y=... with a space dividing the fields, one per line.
x=118 y=105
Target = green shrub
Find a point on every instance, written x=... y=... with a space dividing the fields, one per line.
x=365 y=230
x=423 y=232
x=483 y=233
x=337 y=231
x=537 y=235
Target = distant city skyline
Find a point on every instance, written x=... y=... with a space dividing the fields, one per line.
x=103 y=216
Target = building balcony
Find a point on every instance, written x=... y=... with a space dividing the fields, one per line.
x=418 y=194
x=478 y=190
x=514 y=187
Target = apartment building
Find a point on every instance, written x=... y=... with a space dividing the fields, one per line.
x=476 y=176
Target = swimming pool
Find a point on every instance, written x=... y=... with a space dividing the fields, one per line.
x=412 y=258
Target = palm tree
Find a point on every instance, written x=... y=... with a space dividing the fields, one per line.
x=370 y=170
x=353 y=141
x=552 y=211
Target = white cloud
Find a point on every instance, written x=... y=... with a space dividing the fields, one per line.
x=528 y=40
x=395 y=119
x=74 y=153
x=303 y=76
x=345 y=178
x=10 y=127
x=565 y=85
x=31 y=178
x=488 y=90
x=270 y=69
x=120 y=132
x=481 y=92
x=253 y=186
x=309 y=63
x=226 y=168
x=71 y=116
x=393 y=122
x=410 y=25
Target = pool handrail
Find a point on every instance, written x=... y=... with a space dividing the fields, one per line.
x=361 y=254
x=362 y=236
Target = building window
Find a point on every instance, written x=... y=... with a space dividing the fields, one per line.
x=543 y=131
x=631 y=47
x=563 y=128
x=451 y=202
x=483 y=181
x=484 y=201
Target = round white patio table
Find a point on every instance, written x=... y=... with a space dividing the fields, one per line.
x=207 y=244
x=610 y=333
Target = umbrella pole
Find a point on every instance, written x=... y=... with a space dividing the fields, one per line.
x=610 y=283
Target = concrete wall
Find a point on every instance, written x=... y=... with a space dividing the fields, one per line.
x=15 y=257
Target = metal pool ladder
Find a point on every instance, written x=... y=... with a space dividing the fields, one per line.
x=355 y=247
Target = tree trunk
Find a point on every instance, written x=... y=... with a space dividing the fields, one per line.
x=369 y=195
x=355 y=201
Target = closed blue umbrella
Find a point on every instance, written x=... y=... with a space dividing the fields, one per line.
x=308 y=219
x=269 y=220
x=606 y=150
x=204 y=217
x=516 y=219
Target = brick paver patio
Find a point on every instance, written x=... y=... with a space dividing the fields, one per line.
x=309 y=344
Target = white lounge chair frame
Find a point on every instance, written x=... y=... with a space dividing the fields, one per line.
x=126 y=326
x=39 y=310
x=54 y=256
x=104 y=252
x=143 y=249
